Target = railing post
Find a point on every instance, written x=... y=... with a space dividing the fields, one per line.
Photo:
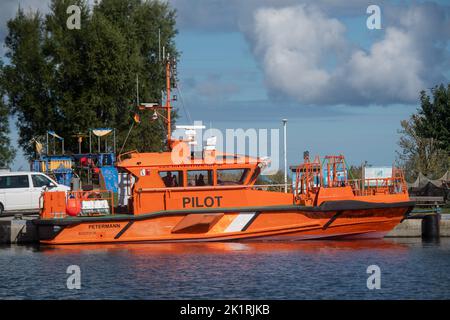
x=112 y=202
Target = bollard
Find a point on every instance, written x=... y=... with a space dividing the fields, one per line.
x=430 y=226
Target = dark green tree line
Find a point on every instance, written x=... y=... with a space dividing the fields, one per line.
x=72 y=80
x=425 y=136
x=7 y=152
x=433 y=121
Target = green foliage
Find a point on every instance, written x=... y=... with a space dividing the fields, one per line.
x=26 y=78
x=72 y=80
x=355 y=172
x=433 y=120
x=275 y=179
x=7 y=153
x=420 y=154
x=425 y=138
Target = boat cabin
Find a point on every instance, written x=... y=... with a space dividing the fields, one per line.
x=204 y=180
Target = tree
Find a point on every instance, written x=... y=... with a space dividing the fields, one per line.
x=70 y=81
x=26 y=79
x=433 y=119
x=425 y=136
x=355 y=172
x=275 y=179
x=420 y=154
x=7 y=153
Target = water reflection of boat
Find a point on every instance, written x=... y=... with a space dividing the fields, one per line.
x=322 y=246
x=180 y=196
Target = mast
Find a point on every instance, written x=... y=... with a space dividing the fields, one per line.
x=168 y=106
x=155 y=107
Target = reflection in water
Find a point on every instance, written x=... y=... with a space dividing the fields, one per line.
x=225 y=247
x=239 y=270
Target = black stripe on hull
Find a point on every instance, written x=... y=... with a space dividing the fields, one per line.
x=329 y=222
x=329 y=208
x=121 y=232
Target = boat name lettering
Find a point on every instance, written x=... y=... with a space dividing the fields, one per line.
x=104 y=226
x=195 y=202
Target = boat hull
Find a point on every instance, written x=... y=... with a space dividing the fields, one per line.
x=331 y=220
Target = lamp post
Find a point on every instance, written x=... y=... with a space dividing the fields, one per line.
x=285 y=157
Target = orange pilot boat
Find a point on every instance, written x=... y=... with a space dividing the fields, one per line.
x=179 y=196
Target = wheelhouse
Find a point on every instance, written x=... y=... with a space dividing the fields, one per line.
x=162 y=183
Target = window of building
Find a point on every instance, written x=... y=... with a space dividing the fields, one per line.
x=231 y=176
x=199 y=178
x=172 y=178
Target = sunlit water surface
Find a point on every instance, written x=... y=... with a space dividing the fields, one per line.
x=410 y=269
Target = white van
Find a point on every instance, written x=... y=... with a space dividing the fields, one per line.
x=21 y=191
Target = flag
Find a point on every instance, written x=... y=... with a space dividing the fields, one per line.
x=38 y=146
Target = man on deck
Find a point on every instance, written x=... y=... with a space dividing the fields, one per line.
x=169 y=180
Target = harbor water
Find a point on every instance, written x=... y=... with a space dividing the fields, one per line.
x=409 y=269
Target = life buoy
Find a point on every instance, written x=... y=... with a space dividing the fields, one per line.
x=73 y=207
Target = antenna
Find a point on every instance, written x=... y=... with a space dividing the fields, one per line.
x=167 y=107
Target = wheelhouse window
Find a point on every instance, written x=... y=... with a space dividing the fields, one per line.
x=231 y=176
x=172 y=178
x=11 y=182
x=199 y=178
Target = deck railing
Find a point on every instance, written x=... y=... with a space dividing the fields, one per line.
x=267 y=187
x=373 y=186
x=95 y=202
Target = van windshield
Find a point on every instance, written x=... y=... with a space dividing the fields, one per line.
x=40 y=181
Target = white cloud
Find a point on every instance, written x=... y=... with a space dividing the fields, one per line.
x=293 y=43
x=391 y=71
x=304 y=50
x=306 y=55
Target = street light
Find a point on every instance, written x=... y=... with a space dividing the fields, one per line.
x=285 y=157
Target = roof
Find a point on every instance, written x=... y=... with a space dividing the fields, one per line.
x=11 y=173
x=155 y=159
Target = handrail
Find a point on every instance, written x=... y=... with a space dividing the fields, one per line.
x=119 y=157
x=384 y=185
x=82 y=195
x=198 y=188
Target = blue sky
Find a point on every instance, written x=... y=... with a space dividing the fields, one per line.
x=360 y=132
x=223 y=55
x=342 y=87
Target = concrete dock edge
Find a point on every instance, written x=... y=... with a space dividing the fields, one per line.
x=17 y=231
